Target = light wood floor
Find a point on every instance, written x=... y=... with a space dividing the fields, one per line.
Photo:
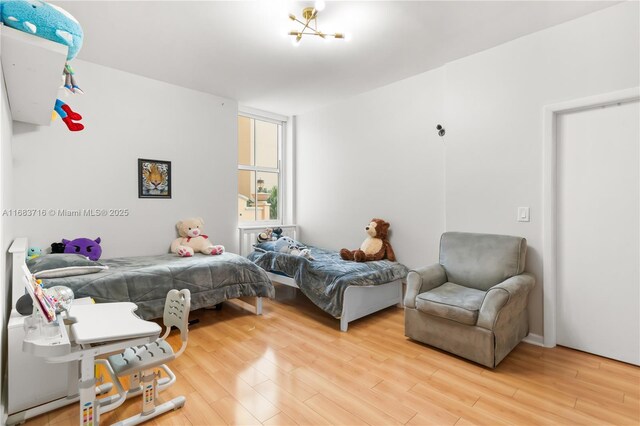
x=293 y=366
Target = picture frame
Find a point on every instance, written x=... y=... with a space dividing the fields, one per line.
x=154 y=178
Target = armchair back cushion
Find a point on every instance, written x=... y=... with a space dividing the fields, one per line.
x=481 y=261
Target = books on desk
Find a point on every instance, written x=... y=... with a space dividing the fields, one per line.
x=43 y=303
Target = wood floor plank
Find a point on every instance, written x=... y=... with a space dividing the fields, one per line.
x=464 y=422
x=481 y=383
x=606 y=413
x=290 y=405
x=206 y=360
x=550 y=369
x=421 y=419
x=446 y=384
x=293 y=366
x=227 y=358
x=567 y=357
x=570 y=387
x=342 y=392
x=345 y=371
x=239 y=349
x=454 y=406
x=628 y=384
x=247 y=396
x=252 y=376
x=633 y=402
x=440 y=359
x=232 y=413
x=289 y=383
x=425 y=409
x=172 y=418
x=280 y=419
x=539 y=403
x=204 y=384
x=198 y=412
x=61 y=414
x=404 y=377
x=349 y=346
x=333 y=412
x=621 y=368
x=516 y=412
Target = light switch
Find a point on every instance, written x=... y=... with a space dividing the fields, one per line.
x=523 y=214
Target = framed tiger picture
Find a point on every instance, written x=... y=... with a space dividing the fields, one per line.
x=154 y=178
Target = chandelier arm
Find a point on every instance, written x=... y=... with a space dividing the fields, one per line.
x=299 y=21
x=305 y=26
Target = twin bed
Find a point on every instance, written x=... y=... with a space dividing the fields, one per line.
x=345 y=290
x=146 y=280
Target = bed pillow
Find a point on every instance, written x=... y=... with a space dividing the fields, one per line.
x=63 y=265
x=271 y=245
x=265 y=246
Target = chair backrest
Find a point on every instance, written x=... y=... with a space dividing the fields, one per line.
x=481 y=261
x=176 y=314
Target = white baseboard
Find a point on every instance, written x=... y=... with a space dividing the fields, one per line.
x=534 y=339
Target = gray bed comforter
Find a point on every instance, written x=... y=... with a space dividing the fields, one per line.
x=145 y=281
x=325 y=279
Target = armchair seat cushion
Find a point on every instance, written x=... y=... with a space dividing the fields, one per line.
x=453 y=302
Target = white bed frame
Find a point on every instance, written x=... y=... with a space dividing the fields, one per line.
x=358 y=301
x=18 y=250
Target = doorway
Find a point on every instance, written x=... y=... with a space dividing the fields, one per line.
x=596 y=219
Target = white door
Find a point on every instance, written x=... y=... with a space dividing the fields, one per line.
x=598 y=231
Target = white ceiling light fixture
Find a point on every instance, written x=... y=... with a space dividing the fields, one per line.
x=310 y=24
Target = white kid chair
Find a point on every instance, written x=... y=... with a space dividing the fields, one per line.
x=140 y=364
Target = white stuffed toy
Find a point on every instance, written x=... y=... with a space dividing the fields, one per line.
x=290 y=246
x=192 y=239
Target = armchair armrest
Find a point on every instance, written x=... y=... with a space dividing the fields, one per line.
x=421 y=280
x=512 y=293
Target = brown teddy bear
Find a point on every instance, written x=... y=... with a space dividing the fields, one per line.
x=192 y=239
x=375 y=247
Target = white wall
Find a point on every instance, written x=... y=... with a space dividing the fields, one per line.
x=127 y=117
x=375 y=155
x=6 y=233
x=493 y=108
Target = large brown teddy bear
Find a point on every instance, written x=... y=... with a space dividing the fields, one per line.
x=192 y=239
x=375 y=247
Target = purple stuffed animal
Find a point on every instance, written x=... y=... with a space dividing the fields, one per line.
x=84 y=246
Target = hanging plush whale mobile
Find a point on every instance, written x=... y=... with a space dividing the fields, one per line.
x=52 y=23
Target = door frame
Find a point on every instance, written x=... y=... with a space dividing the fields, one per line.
x=549 y=191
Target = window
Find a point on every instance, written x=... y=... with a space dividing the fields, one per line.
x=259 y=172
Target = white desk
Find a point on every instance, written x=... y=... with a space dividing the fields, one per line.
x=95 y=330
x=108 y=322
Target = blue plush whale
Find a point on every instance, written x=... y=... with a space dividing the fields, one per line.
x=43 y=20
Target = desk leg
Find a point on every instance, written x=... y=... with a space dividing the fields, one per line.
x=89 y=411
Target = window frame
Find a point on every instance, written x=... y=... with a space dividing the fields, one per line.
x=281 y=121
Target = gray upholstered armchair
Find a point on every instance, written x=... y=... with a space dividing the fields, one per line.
x=472 y=303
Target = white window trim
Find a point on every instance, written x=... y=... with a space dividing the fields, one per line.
x=262 y=115
x=281 y=169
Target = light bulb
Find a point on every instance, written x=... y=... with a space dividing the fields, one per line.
x=295 y=41
x=319 y=5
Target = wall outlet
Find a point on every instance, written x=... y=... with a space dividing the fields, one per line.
x=523 y=214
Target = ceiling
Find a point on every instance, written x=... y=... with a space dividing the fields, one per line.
x=240 y=50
